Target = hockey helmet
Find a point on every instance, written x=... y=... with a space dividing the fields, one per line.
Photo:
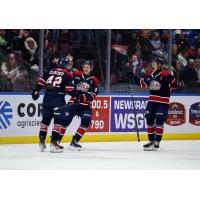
x=158 y=60
x=64 y=63
x=88 y=62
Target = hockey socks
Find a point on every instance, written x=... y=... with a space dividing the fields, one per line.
x=79 y=134
x=159 y=133
x=43 y=132
x=154 y=136
x=151 y=132
x=76 y=138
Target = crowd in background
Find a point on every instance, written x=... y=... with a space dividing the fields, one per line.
x=145 y=44
x=20 y=49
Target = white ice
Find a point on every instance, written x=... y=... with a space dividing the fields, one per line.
x=103 y=155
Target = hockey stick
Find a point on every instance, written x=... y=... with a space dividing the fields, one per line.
x=133 y=107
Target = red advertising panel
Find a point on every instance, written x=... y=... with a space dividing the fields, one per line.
x=100 y=115
x=176 y=114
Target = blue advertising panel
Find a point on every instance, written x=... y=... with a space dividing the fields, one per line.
x=123 y=114
x=194 y=117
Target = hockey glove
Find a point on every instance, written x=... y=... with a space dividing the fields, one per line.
x=35 y=95
x=82 y=98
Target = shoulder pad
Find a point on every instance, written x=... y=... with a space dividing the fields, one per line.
x=149 y=73
x=96 y=81
x=78 y=73
x=164 y=73
x=68 y=73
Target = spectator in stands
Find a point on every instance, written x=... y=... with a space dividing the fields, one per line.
x=174 y=52
x=164 y=36
x=3 y=42
x=145 y=45
x=18 y=41
x=190 y=36
x=10 y=68
x=30 y=53
x=135 y=65
x=9 y=71
x=182 y=58
x=180 y=40
x=197 y=68
x=188 y=74
x=176 y=68
x=132 y=45
x=157 y=45
x=52 y=57
x=197 y=39
x=198 y=53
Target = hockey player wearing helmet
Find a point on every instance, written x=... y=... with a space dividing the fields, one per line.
x=86 y=86
x=56 y=83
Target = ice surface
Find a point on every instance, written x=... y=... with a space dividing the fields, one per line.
x=109 y=155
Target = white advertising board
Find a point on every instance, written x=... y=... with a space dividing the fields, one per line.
x=21 y=116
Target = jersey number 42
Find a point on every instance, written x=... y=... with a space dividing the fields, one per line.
x=54 y=81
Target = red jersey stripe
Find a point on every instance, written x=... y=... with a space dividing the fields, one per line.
x=159 y=99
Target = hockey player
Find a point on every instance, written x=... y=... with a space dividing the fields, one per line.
x=160 y=84
x=86 y=87
x=57 y=82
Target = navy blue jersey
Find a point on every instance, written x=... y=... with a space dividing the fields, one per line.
x=160 y=85
x=56 y=83
x=87 y=86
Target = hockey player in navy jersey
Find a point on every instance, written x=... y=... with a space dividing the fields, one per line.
x=86 y=87
x=160 y=84
x=56 y=83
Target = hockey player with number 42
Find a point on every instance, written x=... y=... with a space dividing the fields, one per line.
x=86 y=87
x=56 y=83
x=160 y=84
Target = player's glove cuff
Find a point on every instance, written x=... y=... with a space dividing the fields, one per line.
x=35 y=95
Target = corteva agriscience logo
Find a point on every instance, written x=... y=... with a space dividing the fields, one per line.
x=5 y=114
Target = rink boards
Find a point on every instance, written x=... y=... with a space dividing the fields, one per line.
x=113 y=118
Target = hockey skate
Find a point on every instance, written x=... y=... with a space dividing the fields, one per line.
x=149 y=146
x=56 y=148
x=42 y=146
x=156 y=145
x=74 y=146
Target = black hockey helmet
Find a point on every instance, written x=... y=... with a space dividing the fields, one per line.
x=64 y=63
x=158 y=60
x=89 y=62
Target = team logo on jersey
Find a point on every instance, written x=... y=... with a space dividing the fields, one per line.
x=154 y=85
x=5 y=114
x=83 y=87
x=194 y=116
x=176 y=114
